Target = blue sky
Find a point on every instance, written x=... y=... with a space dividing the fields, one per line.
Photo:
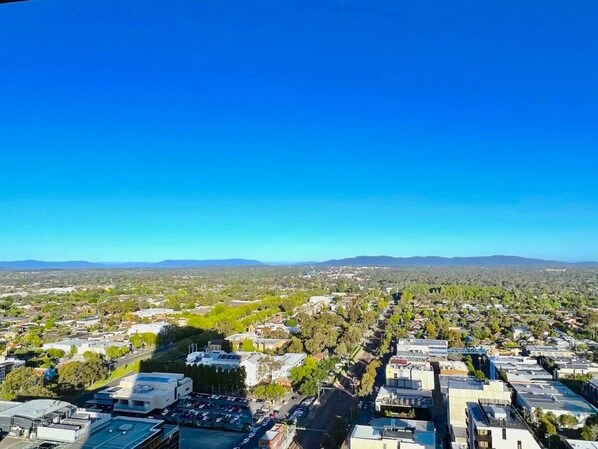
x=297 y=130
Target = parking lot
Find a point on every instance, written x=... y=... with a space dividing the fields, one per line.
x=212 y=412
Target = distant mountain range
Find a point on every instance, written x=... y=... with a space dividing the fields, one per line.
x=82 y=264
x=360 y=261
x=435 y=261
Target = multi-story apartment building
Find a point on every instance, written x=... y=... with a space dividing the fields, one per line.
x=497 y=425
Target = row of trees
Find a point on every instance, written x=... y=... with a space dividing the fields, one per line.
x=206 y=379
x=270 y=392
x=368 y=379
x=77 y=375
x=307 y=377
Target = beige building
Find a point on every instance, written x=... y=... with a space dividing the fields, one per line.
x=402 y=373
x=460 y=392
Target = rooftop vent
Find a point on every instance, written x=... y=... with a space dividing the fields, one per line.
x=498 y=412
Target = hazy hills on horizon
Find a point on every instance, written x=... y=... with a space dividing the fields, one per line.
x=359 y=261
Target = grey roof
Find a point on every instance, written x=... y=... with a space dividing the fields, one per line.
x=36 y=408
x=553 y=396
x=495 y=414
x=111 y=436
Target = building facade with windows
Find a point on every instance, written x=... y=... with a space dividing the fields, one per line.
x=143 y=393
x=497 y=425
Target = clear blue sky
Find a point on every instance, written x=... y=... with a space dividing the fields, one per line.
x=293 y=130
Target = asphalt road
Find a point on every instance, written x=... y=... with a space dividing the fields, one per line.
x=337 y=401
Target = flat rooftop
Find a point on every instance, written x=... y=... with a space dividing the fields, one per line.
x=421 y=342
x=160 y=378
x=420 y=432
x=404 y=363
x=470 y=383
x=553 y=396
x=582 y=444
x=112 y=437
x=494 y=414
x=35 y=409
x=120 y=433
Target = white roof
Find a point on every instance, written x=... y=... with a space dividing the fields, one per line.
x=582 y=444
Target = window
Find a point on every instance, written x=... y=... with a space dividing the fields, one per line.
x=504 y=434
x=519 y=445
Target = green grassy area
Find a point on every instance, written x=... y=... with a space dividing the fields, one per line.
x=119 y=372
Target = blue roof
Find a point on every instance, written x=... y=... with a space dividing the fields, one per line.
x=163 y=380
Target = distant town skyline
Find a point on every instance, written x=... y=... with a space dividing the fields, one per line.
x=310 y=131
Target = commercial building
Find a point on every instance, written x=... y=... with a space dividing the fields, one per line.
x=149 y=328
x=552 y=396
x=278 y=437
x=497 y=425
x=433 y=349
x=22 y=419
x=402 y=373
x=388 y=433
x=144 y=392
x=81 y=346
x=518 y=369
x=59 y=425
x=573 y=366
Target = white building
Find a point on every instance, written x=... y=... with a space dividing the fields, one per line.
x=150 y=328
x=150 y=313
x=388 y=433
x=497 y=425
x=520 y=332
x=322 y=300
x=81 y=346
x=433 y=349
x=258 y=367
x=144 y=392
x=402 y=373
